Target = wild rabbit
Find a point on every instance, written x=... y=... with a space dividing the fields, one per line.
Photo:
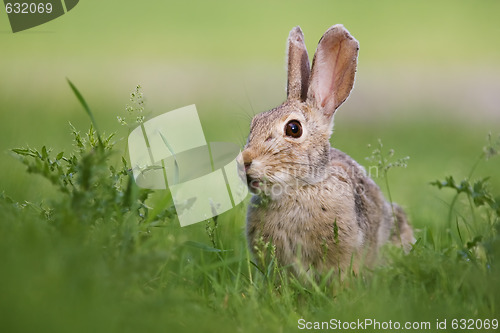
x=312 y=202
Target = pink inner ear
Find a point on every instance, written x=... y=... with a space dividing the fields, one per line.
x=328 y=76
x=333 y=71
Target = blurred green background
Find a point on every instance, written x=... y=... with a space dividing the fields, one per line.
x=428 y=85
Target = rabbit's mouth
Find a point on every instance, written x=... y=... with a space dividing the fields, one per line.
x=253 y=184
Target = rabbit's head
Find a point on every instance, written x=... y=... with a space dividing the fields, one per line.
x=288 y=146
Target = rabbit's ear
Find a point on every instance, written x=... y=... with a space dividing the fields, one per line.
x=298 y=66
x=333 y=69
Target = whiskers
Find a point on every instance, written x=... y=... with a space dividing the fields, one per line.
x=272 y=176
x=297 y=177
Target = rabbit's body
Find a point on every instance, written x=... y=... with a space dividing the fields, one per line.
x=314 y=203
x=352 y=222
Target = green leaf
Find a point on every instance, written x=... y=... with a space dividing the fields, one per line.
x=85 y=107
x=336 y=231
x=23 y=152
x=45 y=154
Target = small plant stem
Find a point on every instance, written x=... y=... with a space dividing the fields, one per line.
x=126 y=144
x=147 y=143
x=455 y=198
x=395 y=220
x=472 y=211
x=450 y=211
x=480 y=158
x=249 y=266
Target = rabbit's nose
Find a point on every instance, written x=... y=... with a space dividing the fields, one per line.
x=247 y=159
x=247 y=165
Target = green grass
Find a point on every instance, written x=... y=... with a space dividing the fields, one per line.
x=79 y=257
x=104 y=256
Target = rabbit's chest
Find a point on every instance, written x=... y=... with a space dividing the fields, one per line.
x=312 y=225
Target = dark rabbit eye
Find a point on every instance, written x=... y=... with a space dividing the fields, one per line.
x=294 y=129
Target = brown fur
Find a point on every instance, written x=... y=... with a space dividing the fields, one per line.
x=314 y=203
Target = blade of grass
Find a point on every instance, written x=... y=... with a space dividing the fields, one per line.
x=86 y=108
x=176 y=165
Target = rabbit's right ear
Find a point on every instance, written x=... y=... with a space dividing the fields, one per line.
x=298 y=66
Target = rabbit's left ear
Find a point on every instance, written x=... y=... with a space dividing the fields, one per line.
x=298 y=66
x=333 y=69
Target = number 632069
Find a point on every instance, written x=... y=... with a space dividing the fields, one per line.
x=28 y=8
